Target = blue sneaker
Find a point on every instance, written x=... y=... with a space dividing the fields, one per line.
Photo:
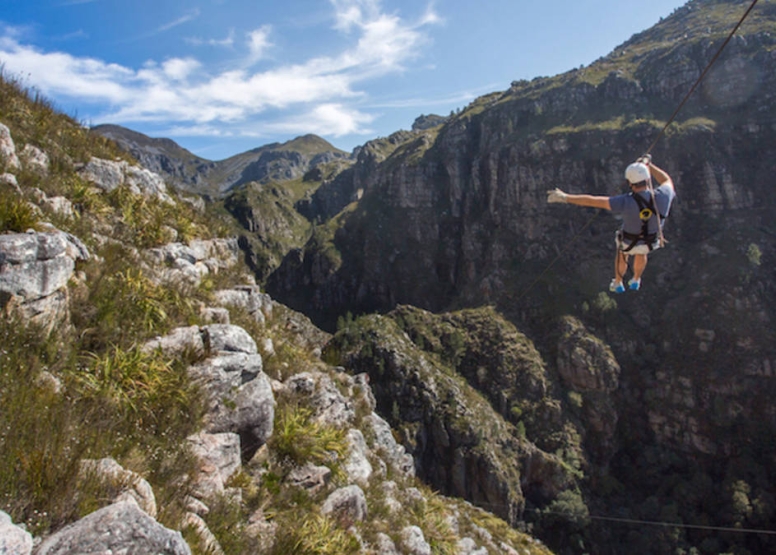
x=616 y=287
x=634 y=284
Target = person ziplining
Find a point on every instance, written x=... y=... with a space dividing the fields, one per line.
x=643 y=212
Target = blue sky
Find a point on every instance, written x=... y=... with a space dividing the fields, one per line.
x=223 y=76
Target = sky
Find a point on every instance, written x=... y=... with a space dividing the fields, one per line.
x=221 y=77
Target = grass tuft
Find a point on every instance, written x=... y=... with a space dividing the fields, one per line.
x=298 y=438
x=16 y=215
x=316 y=535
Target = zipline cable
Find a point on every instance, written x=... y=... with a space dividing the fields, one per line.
x=682 y=525
x=703 y=74
x=660 y=523
x=649 y=150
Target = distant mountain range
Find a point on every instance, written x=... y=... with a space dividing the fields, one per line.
x=189 y=172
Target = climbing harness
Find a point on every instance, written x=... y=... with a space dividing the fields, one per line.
x=646 y=212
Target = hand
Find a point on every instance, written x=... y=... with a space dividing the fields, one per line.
x=556 y=195
x=646 y=159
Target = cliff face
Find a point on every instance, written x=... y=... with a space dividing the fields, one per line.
x=464 y=217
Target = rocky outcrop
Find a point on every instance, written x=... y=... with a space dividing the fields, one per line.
x=240 y=398
x=35 y=269
x=413 y=540
x=109 y=175
x=459 y=443
x=347 y=505
x=192 y=262
x=129 y=485
x=219 y=458
x=8 y=149
x=119 y=528
x=429 y=121
x=35 y=159
x=588 y=367
x=14 y=540
x=248 y=298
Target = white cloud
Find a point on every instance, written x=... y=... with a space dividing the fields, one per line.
x=258 y=42
x=192 y=14
x=184 y=93
x=227 y=41
x=198 y=131
x=61 y=73
x=179 y=69
x=386 y=41
x=326 y=119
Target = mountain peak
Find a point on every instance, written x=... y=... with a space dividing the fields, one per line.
x=309 y=144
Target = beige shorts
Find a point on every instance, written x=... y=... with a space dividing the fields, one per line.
x=640 y=248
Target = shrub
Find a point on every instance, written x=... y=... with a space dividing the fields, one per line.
x=152 y=394
x=568 y=507
x=754 y=255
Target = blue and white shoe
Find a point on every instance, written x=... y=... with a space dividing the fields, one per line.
x=616 y=287
x=634 y=284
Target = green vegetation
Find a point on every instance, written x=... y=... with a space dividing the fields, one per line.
x=87 y=391
x=309 y=145
x=122 y=305
x=299 y=439
x=314 y=534
x=412 y=150
x=754 y=255
x=274 y=226
x=136 y=408
x=16 y=215
x=34 y=120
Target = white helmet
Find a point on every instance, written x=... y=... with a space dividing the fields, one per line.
x=636 y=173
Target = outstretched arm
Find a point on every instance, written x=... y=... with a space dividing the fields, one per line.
x=591 y=201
